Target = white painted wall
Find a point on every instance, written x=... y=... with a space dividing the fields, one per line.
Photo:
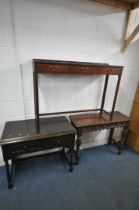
x=68 y=30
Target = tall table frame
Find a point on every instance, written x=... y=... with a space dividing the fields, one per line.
x=76 y=68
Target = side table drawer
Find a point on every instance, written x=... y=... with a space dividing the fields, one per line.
x=16 y=149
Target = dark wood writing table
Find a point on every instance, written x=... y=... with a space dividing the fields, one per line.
x=20 y=138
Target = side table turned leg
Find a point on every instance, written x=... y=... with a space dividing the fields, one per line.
x=110 y=139
x=123 y=139
x=77 y=152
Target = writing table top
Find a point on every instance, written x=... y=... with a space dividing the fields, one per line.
x=24 y=130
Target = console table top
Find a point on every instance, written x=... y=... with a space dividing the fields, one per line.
x=84 y=120
x=25 y=130
x=43 y=61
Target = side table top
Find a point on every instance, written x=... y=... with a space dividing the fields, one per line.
x=84 y=120
x=24 y=130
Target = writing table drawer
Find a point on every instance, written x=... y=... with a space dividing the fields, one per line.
x=16 y=149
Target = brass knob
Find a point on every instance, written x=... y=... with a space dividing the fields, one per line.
x=58 y=141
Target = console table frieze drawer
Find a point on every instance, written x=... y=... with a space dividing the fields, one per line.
x=109 y=70
x=95 y=70
x=16 y=149
x=84 y=69
x=50 y=68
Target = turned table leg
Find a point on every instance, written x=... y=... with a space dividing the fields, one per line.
x=123 y=139
x=110 y=136
x=9 y=175
x=78 y=144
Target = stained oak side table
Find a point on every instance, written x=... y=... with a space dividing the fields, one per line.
x=93 y=122
x=20 y=138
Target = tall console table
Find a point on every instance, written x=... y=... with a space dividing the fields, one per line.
x=84 y=122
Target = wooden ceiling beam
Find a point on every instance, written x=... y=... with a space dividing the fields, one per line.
x=136 y=5
x=131 y=37
x=130 y=7
x=127 y=28
x=116 y=3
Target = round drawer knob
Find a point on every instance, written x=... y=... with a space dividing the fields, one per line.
x=58 y=141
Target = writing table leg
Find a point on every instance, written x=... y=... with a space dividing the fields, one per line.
x=71 y=150
x=9 y=175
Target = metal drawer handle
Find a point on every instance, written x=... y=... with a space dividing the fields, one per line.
x=109 y=71
x=56 y=66
x=53 y=66
x=84 y=71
